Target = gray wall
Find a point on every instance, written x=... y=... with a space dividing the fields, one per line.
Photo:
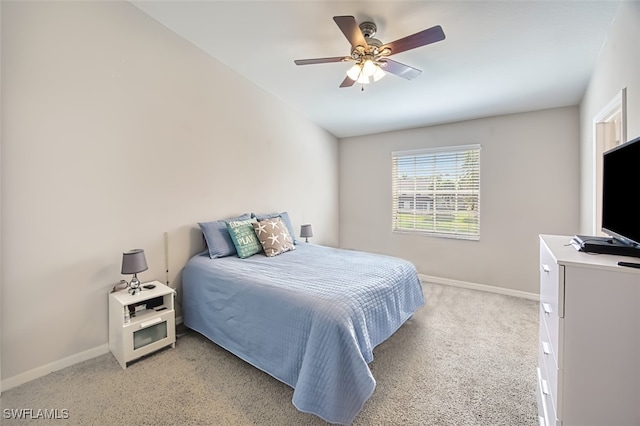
x=529 y=186
x=116 y=131
x=618 y=67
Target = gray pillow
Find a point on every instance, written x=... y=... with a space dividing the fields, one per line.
x=219 y=242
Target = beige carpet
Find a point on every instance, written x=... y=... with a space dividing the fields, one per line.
x=466 y=358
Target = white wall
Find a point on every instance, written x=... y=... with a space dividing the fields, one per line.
x=529 y=185
x=618 y=66
x=115 y=131
x=0 y=204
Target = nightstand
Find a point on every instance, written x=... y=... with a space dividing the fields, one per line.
x=149 y=326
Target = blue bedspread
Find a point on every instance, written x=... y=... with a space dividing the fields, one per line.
x=309 y=317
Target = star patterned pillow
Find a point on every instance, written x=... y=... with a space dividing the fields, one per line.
x=274 y=236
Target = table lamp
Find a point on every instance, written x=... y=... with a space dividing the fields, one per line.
x=306 y=232
x=134 y=262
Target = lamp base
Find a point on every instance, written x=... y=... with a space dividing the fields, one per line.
x=134 y=286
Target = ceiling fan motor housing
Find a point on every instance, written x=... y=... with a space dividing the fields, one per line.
x=361 y=53
x=368 y=29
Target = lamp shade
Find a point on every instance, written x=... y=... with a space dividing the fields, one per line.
x=368 y=68
x=378 y=74
x=363 y=79
x=354 y=72
x=306 y=231
x=133 y=261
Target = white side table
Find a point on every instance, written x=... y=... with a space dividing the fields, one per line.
x=150 y=325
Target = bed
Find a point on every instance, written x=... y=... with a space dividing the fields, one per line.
x=310 y=317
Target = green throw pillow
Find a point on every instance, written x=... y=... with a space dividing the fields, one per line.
x=244 y=237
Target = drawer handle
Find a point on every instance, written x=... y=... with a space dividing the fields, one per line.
x=546 y=308
x=546 y=349
x=545 y=387
x=546 y=268
x=150 y=322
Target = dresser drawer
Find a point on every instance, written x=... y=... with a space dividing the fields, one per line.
x=546 y=408
x=552 y=335
x=551 y=283
x=543 y=409
x=549 y=373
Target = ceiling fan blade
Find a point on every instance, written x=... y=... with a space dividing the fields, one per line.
x=401 y=70
x=320 y=60
x=428 y=36
x=351 y=30
x=347 y=82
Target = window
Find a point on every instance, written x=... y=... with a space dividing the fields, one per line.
x=437 y=192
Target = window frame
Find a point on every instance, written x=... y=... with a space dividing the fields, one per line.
x=429 y=198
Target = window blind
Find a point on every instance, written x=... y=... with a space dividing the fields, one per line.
x=437 y=192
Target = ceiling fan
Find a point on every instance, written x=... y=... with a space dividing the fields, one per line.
x=371 y=56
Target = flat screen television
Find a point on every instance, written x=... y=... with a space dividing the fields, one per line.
x=621 y=193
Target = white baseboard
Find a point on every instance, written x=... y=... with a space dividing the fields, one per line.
x=480 y=287
x=27 y=376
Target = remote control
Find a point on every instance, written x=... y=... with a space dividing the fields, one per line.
x=629 y=264
x=150 y=286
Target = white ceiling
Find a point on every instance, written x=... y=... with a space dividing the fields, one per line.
x=499 y=57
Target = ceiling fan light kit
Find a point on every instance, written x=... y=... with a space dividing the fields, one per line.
x=371 y=55
x=363 y=72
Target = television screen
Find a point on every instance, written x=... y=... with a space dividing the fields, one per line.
x=621 y=192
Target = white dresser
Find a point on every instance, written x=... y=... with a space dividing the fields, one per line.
x=589 y=349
